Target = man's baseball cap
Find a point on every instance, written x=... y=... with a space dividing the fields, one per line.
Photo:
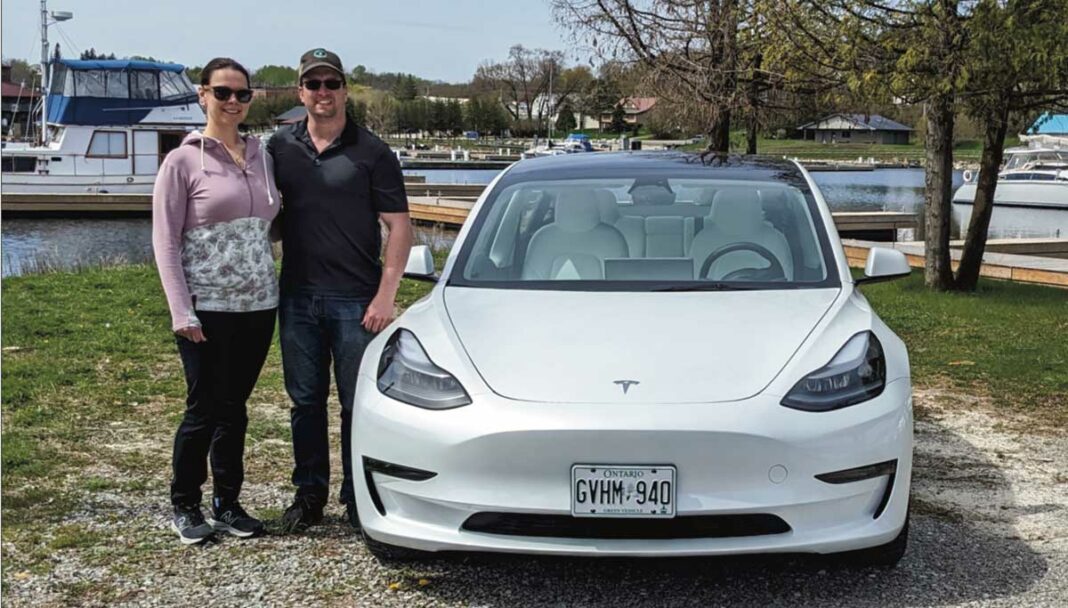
x=319 y=58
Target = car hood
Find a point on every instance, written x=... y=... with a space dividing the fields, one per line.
x=583 y=347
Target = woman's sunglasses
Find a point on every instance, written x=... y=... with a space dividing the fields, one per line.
x=313 y=84
x=224 y=93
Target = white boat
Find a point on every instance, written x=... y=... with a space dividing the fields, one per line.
x=1031 y=199
x=568 y=146
x=110 y=122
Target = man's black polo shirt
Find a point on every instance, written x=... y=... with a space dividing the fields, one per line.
x=330 y=205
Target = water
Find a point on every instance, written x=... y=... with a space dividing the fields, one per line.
x=41 y=244
x=455 y=176
x=880 y=190
x=34 y=244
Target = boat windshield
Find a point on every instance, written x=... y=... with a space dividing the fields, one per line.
x=1031 y=160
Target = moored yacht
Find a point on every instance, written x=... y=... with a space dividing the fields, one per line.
x=110 y=123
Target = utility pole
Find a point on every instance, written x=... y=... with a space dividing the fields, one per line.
x=44 y=71
x=552 y=104
x=46 y=80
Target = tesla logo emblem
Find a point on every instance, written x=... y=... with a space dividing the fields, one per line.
x=626 y=384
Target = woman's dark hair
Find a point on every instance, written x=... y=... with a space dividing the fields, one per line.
x=222 y=63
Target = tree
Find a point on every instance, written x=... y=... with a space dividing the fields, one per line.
x=263 y=110
x=359 y=75
x=275 y=76
x=565 y=120
x=522 y=81
x=911 y=50
x=1018 y=63
x=704 y=56
x=92 y=54
x=619 y=122
x=454 y=117
x=405 y=89
x=356 y=111
x=990 y=58
x=381 y=112
x=24 y=72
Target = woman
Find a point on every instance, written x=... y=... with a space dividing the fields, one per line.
x=211 y=212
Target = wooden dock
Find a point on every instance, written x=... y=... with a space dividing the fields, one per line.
x=1022 y=268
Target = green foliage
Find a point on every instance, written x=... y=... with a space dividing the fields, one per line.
x=619 y=122
x=405 y=89
x=565 y=117
x=24 y=72
x=263 y=110
x=275 y=76
x=92 y=54
x=485 y=115
x=356 y=110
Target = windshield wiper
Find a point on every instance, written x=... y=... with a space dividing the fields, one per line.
x=712 y=286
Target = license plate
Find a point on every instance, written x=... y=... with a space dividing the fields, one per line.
x=622 y=491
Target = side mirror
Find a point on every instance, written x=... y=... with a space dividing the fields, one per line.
x=884 y=265
x=420 y=265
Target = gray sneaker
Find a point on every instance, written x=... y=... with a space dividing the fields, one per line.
x=189 y=523
x=233 y=519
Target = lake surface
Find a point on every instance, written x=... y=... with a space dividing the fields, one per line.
x=29 y=245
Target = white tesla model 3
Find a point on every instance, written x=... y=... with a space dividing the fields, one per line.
x=640 y=354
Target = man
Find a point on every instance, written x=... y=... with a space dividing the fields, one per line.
x=337 y=182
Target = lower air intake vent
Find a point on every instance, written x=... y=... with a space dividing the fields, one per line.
x=565 y=526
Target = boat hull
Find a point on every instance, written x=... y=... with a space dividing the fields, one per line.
x=16 y=183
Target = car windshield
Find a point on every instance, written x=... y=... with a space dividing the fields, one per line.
x=647 y=234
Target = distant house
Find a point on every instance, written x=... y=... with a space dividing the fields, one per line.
x=295 y=114
x=635 y=111
x=856 y=128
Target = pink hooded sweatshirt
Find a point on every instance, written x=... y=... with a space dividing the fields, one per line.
x=210 y=229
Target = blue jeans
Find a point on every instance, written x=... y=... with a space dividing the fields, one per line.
x=314 y=330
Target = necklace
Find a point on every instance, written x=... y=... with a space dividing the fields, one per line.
x=238 y=155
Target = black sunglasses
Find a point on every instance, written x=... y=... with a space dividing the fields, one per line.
x=224 y=93
x=313 y=84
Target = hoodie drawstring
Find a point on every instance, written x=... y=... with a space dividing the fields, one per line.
x=202 y=168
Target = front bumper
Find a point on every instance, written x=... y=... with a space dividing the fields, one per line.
x=749 y=458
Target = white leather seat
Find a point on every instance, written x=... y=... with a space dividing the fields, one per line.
x=738 y=217
x=632 y=228
x=576 y=244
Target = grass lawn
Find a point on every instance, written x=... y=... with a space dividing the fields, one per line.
x=89 y=361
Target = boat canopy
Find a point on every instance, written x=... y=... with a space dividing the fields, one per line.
x=114 y=92
x=1050 y=124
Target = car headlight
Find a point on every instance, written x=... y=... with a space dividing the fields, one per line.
x=407 y=374
x=856 y=373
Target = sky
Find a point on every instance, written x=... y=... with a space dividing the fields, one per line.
x=434 y=39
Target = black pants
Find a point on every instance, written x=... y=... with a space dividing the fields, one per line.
x=219 y=374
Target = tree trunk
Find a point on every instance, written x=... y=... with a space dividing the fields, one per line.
x=751 y=134
x=971 y=258
x=938 y=181
x=753 y=95
x=719 y=137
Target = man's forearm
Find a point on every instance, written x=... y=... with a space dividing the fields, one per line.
x=398 y=246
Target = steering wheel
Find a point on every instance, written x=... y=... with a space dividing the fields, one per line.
x=776 y=268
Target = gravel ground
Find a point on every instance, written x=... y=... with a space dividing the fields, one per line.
x=989 y=528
